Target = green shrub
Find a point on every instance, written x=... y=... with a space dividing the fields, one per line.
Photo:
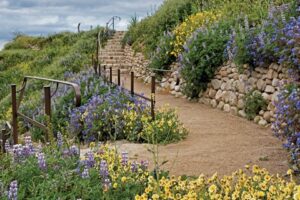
x=162 y=58
x=202 y=56
x=254 y=102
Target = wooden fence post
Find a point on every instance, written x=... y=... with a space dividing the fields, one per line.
x=132 y=83
x=110 y=75
x=47 y=93
x=14 y=113
x=119 y=77
x=153 y=97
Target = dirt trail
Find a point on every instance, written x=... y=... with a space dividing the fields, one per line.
x=217 y=142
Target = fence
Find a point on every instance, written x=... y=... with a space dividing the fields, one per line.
x=16 y=102
x=102 y=72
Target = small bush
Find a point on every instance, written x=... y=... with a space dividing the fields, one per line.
x=203 y=54
x=165 y=129
x=162 y=58
x=254 y=102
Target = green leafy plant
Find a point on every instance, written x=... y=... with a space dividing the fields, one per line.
x=203 y=54
x=254 y=102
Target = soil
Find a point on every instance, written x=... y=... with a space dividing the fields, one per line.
x=217 y=141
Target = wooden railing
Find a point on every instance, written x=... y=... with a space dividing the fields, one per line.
x=16 y=102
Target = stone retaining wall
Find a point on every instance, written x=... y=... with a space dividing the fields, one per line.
x=228 y=88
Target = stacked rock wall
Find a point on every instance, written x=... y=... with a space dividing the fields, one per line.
x=227 y=89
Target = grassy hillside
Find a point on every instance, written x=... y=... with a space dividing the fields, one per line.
x=49 y=56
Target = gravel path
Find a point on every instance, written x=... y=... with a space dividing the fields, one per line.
x=217 y=142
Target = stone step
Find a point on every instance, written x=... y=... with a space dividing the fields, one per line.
x=116 y=66
x=105 y=57
x=115 y=53
x=108 y=48
x=108 y=45
x=111 y=61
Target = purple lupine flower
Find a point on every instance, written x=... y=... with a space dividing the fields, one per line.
x=144 y=164
x=124 y=160
x=59 y=140
x=13 y=191
x=74 y=151
x=85 y=174
x=28 y=149
x=134 y=166
x=17 y=152
x=104 y=173
x=42 y=161
x=90 y=160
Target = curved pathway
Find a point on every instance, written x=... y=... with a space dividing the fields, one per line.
x=217 y=142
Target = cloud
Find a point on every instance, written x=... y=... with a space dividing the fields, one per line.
x=42 y=17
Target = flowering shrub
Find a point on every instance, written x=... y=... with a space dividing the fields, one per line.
x=166 y=128
x=287 y=124
x=101 y=118
x=185 y=30
x=162 y=58
x=275 y=40
x=203 y=54
x=59 y=172
x=259 y=185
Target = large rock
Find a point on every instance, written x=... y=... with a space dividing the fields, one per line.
x=275 y=82
x=266 y=96
x=227 y=86
x=172 y=86
x=261 y=85
x=219 y=95
x=242 y=113
x=223 y=73
x=270 y=74
x=221 y=105
x=274 y=66
x=257 y=119
x=216 y=84
x=177 y=88
x=241 y=104
x=212 y=93
x=270 y=89
x=271 y=106
x=252 y=81
x=262 y=122
x=213 y=103
x=240 y=85
x=275 y=96
x=227 y=108
x=267 y=116
x=232 y=99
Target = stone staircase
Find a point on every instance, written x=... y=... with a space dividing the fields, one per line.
x=112 y=55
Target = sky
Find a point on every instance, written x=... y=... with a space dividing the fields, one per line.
x=43 y=17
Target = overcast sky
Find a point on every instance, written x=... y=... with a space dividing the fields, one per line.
x=41 y=17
